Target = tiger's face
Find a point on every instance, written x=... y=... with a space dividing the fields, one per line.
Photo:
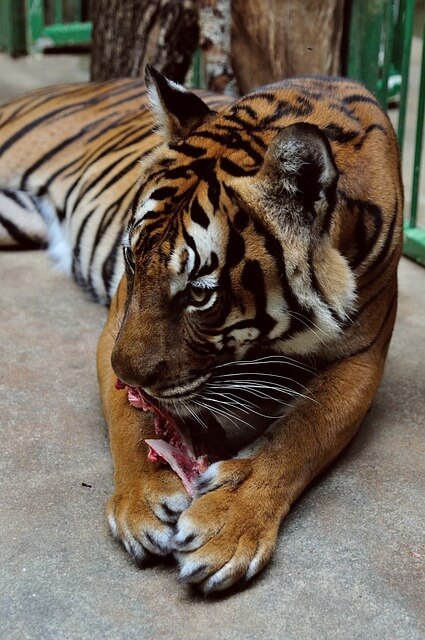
x=229 y=249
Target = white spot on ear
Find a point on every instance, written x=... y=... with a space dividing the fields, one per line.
x=177 y=86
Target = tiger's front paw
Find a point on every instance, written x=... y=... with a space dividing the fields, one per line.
x=229 y=532
x=142 y=515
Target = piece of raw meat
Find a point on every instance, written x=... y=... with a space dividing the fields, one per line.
x=173 y=445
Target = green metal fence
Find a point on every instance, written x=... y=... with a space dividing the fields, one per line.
x=12 y=27
x=55 y=23
x=379 y=50
x=30 y=26
x=414 y=235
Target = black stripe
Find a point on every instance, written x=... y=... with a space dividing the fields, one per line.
x=234 y=169
x=386 y=245
x=163 y=193
x=14 y=196
x=104 y=223
x=365 y=135
x=275 y=249
x=337 y=134
x=233 y=141
x=188 y=149
x=25 y=241
x=115 y=178
x=63 y=112
x=108 y=267
x=378 y=334
x=57 y=149
x=235 y=248
x=104 y=149
x=360 y=97
x=198 y=215
x=252 y=279
x=191 y=243
x=76 y=271
x=284 y=108
x=364 y=244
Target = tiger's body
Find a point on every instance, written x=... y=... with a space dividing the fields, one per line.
x=261 y=246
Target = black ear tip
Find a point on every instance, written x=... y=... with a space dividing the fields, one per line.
x=151 y=74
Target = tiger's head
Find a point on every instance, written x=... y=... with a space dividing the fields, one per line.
x=230 y=248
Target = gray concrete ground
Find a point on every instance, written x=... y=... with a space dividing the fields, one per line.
x=350 y=562
x=351 y=555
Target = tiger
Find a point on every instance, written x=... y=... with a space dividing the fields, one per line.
x=247 y=250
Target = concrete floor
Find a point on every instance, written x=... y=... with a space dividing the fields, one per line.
x=350 y=562
x=351 y=557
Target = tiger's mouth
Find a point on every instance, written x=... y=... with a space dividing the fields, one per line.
x=174 y=445
x=204 y=420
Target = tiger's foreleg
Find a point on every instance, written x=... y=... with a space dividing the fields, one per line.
x=148 y=498
x=229 y=532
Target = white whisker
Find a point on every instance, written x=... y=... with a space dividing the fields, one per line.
x=215 y=412
x=277 y=359
x=194 y=415
x=268 y=386
x=252 y=410
x=304 y=320
x=255 y=374
x=223 y=412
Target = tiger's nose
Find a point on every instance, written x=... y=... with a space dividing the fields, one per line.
x=142 y=374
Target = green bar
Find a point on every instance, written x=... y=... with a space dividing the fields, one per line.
x=387 y=36
x=64 y=34
x=58 y=12
x=387 y=42
x=407 y=21
x=77 y=13
x=35 y=21
x=414 y=243
x=397 y=56
x=12 y=26
x=419 y=140
x=364 y=42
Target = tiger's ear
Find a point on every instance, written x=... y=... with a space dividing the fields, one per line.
x=299 y=169
x=177 y=110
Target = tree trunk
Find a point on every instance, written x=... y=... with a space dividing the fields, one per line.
x=276 y=39
x=128 y=34
x=214 y=26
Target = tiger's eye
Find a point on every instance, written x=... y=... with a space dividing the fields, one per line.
x=199 y=294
